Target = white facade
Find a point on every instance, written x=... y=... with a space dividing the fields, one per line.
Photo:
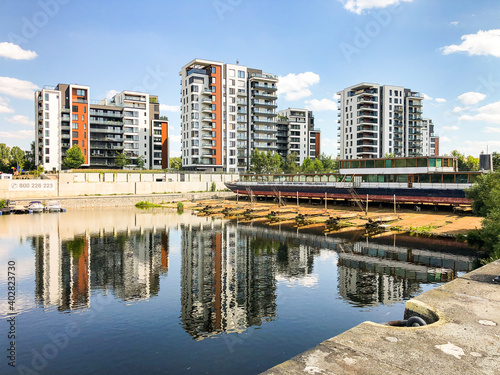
x=376 y=120
x=48 y=121
x=300 y=133
x=136 y=124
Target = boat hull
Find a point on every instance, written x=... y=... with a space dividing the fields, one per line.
x=400 y=195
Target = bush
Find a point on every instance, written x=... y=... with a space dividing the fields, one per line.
x=213 y=187
x=180 y=207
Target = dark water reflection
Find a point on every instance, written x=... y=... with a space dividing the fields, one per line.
x=268 y=292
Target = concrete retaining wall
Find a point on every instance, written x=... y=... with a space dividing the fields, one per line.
x=113 y=183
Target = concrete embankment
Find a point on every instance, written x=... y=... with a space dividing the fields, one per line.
x=462 y=336
x=128 y=200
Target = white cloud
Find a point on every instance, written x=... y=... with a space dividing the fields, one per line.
x=471 y=98
x=489 y=113
x=336 y=96
x=454 y=23
x=483 y=43
x=14 y=52
x=440 y=100
x=359 y=6
x=20 y=119
x=17 y=88
x=170 y=108
x=4 y=106
x=329 y=146
x=426 y=97
x=111 y=93
x=450 y=127
x=321 y=105
x=491 y=130
x=443 y=139
x=459 y=109
x=175 y=154
x=296 y=86
x=17 y=134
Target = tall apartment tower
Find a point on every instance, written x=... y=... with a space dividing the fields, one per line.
x=228 y=110
x=430 y=139
x=375 y=120
x=129 y=122
x=296 y=133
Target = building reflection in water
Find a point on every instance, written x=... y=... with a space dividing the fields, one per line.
x=229 y=272
x=128 y=264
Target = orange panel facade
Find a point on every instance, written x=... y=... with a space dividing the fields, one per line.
x=164 y=144
x=80 y=125
x=218 y=112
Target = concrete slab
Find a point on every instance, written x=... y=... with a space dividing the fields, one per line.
x=463 y=337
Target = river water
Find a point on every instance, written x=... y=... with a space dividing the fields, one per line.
x=128 y=291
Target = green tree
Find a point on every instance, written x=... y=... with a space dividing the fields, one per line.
x=318 y=165
x=485 y=193
x=495 y=156
x=140 y=161
x=290 y=164
x=17 y=158
x=258 y=162
x=4 y=158
x=74 y=158
x=472 y=163
x=307 y=165
x=274 y=162
x=389 y=155
x=30 y=158
x=176 y=163
x=121 y=159
x=329 y=164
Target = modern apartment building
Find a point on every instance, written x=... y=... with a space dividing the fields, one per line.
x=228 y=110
x=296 y=133
x=129 y=122
x=430 y=139
x=375 y=120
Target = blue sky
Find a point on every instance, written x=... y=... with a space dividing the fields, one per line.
x=447 y=49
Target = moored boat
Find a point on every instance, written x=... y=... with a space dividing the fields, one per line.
x=428 y=179
x=53 y=206
x=36 y=206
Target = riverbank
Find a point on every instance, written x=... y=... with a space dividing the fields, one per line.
x=335 y=218
x=462 y=336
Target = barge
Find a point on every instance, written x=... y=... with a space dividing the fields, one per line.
x=417 y=180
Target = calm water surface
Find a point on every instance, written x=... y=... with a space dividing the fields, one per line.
x=125 y=291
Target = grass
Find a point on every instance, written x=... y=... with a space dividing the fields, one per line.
x=146 y=204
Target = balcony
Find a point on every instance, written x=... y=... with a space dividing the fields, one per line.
x=241 y=102
x=367 y=136
x=207 y=101
x=135 y=98
x=206 y=136
x=206 y=145
x=242 y=111
x=260 y=128
x=367 y=99
x=206 y=127
x=205 y=109
x=207 y=91
x=78 y=100
x=261 y=137
x=263 y=113
x=367 y=128
x=264 y=87
x=242 y=119
x=206 y=118
x=264 y=76
x=257 y=94
x=104 y=114
x=263 y=121
x=261 y=103
x=242 y=92
x=398 y=108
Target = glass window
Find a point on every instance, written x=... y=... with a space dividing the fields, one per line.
x=46 y=96
x=74 y=125
x=370 y=163
x=448 y=178
x=436 y=178
x=439 y=163
x=423 y=178
x=400 y=163
x=74 y=117
x=461 y=178
x=411 y=162
x=241 y=74
x=388 y=163
x=75 y=135
x=74 y=108
x=421 y=162
x=432 y=162
x=379 y=164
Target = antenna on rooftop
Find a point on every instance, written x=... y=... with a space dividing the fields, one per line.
x=237 y=62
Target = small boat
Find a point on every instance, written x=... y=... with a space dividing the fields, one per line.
x=17 y=208
x=53 y=206
x=36 y=206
